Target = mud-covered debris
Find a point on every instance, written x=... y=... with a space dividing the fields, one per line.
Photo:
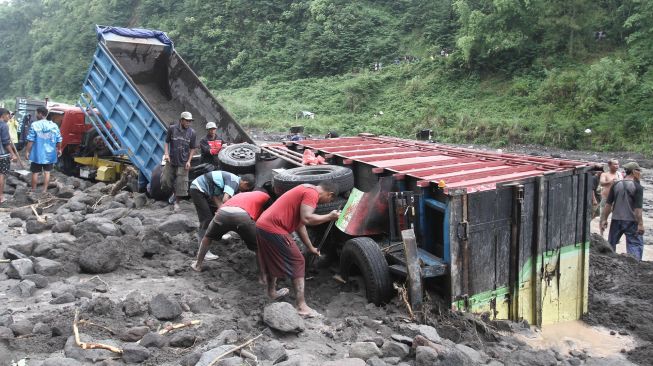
x=19 y=268
x=102 y=257
x=134 y=353
x=283 y=317
x=163 y=308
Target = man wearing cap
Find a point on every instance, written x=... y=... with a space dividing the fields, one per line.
x=211 y=145
x=178 y=151
x=625 y=202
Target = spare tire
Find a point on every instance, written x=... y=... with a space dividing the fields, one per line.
x=291 y=178
x=324 y=208
x=238 y=158
x=365 y=255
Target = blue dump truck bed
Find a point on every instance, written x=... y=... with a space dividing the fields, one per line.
x=139 y=85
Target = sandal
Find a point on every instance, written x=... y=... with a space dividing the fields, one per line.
x=281 y=293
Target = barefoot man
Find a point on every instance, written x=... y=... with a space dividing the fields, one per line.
x=278 y=253
x=609 y=178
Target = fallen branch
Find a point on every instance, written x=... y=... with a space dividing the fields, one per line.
x=248 y=355
x=99 y=200
x=236 y=348
x=86 y=345
x=403 y=294
x=172 y=327
x=39 y=218
x=5 y=260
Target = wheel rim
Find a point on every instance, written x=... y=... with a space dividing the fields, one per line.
x=242 y=153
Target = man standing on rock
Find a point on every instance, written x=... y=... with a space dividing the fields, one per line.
x=238 y=214
x=43 y=147
x=7 y=151
x=278 y=254
x=213 y=189
x=606 y=181
x=178 y=151
x=211 y=145
x=625 y=201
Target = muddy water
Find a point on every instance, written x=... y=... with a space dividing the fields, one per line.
x=577 y=335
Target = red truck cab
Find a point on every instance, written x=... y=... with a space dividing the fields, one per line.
x=72 y=124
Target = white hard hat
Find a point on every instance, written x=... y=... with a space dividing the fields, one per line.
x=211 y=125
x=187 y=116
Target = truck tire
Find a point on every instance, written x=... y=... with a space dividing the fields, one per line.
x=365 y=255
x=324 y=208
x=238 y=158
x=291 y=178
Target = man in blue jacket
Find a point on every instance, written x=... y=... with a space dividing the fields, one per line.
x=43 y=147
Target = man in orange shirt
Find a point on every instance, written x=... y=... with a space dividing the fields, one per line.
x=278 y=253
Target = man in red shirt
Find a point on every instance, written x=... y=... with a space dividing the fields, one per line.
x=278 y=253
x=238 y=214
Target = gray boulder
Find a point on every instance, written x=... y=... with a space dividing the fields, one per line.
x=24 y=213
x=134 y=353
x=272 y=350
x=345 y=362
x=395 y=349
x=130 y=225
x=24 y=245
x=178 y=223
x=46 y=267
x=13 y=254
x=426 y=356
x=133 y=334
x=98 y=225
x=39 y=280
x=182 y=340
x=63 y=299
x=155 y=340
x=19 y=268
x=33 y=226
x=21 y=328
x=102 y=257
x=61 y=362
x=6 y=320
x=364 y=350
x=24 y=288
x=6 y=333
x=283 y=317
x=15 y=223
x=209 y=356
x=163 y=308
x=65 y=226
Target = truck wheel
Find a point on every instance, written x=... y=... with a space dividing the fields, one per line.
x=364 y=255
x=291 y=178
x=324 y=208
x=239 y=158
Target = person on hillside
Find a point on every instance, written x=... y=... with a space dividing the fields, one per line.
x=209 y=191
x=43 y=147
x=211 y=145
x=7 y=151
x=179 y=148
x=625 y=201
x=606 y=181
x=278 y=254
x=13 y=128
x=238 y=214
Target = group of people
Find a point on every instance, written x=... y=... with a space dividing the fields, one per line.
x=42 y=150
x=622 y=196
x=227 y=202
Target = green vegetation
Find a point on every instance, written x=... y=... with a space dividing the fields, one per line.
x=519 y=71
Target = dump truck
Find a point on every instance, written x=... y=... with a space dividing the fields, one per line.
x=136 y=86
x=503 y=235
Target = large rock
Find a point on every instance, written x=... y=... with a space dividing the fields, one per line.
x=134 y=353
x=130 y=225
x=364 y=350
x=24 y=213
x=426 y=356
x=473 y=354
x=6 y=320
x=15 y=223
x=163 y=308
x=133 y=334
x=24 y=245
x=33 y=226
x=155 y=340
x=424 y=330
x=19 y=268
x=283 y=317
x=65 y=226
x=41 y=249
x=135 y=304
x=99 y=225
x=6 y=333
x=63 y=299
x=24 y=288
x=103 y=257
x=72 y=350
x=209 y=356
x=61 y=362
x=39 y=280
x=47 y=267
x=271 y=351
x=346 y=362
x=13 y=254
x=21 y=328
x=395 y=349
x=182 y=340
x=178 y=223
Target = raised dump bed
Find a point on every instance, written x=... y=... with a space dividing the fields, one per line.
x=502 y=234
x=140 y=85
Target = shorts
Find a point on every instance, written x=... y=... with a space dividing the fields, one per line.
x=37 y=168
x=278 y=255
x=5 y=163
x=233 y=219
x=175 y=178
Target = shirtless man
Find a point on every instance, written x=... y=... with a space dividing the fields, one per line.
x=609 y=178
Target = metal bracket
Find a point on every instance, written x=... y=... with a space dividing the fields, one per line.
x=462 y=229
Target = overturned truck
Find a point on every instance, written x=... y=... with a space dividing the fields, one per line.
x=501 y=234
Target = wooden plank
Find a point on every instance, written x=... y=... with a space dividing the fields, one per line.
x=539 y=245
x=415 y=290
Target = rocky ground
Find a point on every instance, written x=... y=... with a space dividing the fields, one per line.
x=123 y=263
